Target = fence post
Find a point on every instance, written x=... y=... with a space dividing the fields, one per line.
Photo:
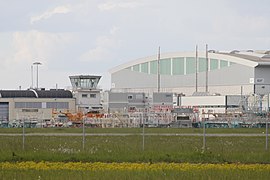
x=266 y=124
x=143 y=132
x=266 y=133
x=23 y=133
x=204 y=134
x=83 y=143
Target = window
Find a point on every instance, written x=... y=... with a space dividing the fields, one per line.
x=223 y=63
x=178 y=66
x=57 y=105
x=93 y=95
x=165 y=66
x=132 y=108
x=202 y=64
x=29 y=110
x=144 y=67
x=213 y=64
x=139 y=96
x=28 y=105
x=84 y=95
x=136 y=67
x=190 y=65
x=153 y=67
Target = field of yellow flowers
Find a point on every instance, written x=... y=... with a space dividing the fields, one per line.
x=99 y=170
x=97 y=166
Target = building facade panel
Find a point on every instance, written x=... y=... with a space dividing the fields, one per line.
x=25 y=108
x=233 y=75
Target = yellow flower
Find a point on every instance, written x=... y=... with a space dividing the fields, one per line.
x=99 y=166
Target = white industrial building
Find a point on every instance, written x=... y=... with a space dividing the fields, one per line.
x=210 y=81
x=225 y=73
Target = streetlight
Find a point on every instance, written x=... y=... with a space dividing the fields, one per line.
x=37 y=63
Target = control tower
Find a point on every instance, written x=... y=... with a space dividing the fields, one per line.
x=88 y=96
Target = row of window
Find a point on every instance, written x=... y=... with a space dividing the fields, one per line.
x=91 y=95
x=140 y=96
x=29 y=110
x=84 y=83
x=179 y=66
x=39 y=105
x=137 y=96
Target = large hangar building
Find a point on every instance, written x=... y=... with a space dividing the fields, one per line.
x=229 y=73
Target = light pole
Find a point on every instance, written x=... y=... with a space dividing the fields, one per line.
x=37 y=63
x=32 y=83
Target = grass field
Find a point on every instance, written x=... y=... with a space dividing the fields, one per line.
x=118 y=149
x=133 y=130
x=129 y=148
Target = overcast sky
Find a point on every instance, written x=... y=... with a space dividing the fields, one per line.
x=74 y=37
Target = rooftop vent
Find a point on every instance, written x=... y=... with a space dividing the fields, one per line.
x=266 y=56
x=250 y=50
x=200 y=94
x=267 y=52
x=234 y=52
x=212 y=51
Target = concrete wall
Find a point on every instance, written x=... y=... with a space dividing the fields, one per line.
x=122 y=102
x=262 y=80
x=87 y=101
x=202 y=101
x=41 y=113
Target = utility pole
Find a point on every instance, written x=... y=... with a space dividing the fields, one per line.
x=158 y=70
x=37 y=64
x=196 y=78
x=32 y=82
x=206 y=78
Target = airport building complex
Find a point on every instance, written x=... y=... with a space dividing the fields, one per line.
x=216 y=83
x=175 y=89
x=46 y=105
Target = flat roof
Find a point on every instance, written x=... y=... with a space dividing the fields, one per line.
x=33 y=93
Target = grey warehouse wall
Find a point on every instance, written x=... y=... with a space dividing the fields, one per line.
x=236 y=74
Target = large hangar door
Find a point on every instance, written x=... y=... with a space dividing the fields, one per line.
x=4 y=111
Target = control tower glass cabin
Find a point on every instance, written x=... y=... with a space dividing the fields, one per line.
x=89 y=82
